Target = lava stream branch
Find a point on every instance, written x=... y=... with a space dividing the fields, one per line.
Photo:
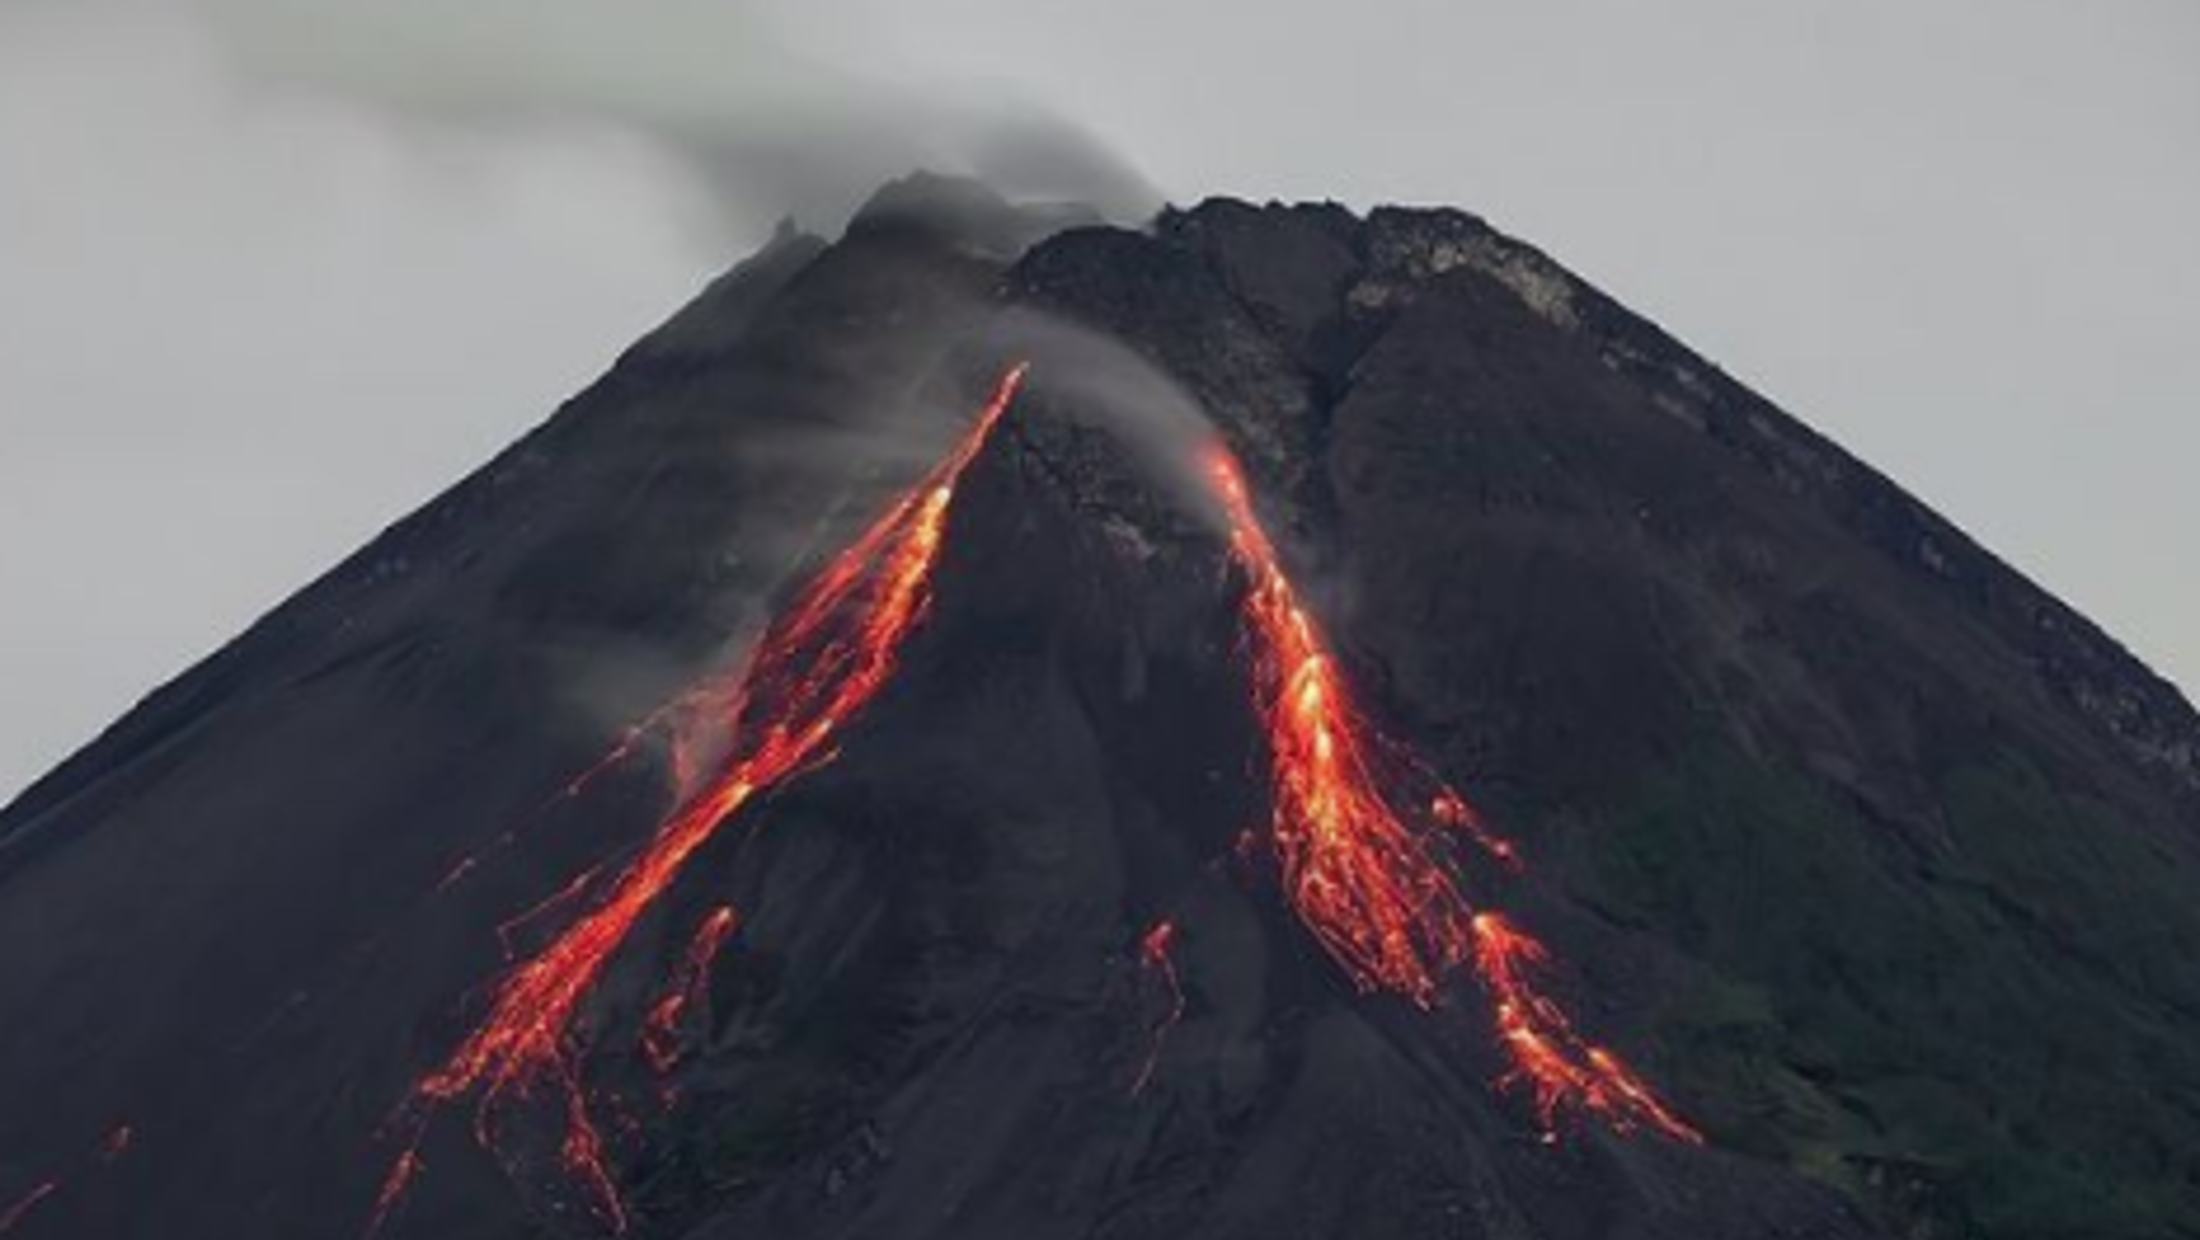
x=661 y=1030
x=686 y=722
x=1553 y=1061
x=1157 y=957
x=12 y=1217
x=109 y=1151
x=815 y=667
x=1351 y=829
x=1369 y=887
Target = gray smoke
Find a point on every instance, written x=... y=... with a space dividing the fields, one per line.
x=1107 y=387
x=769 y=124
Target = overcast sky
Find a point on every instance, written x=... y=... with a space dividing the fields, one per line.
x=274 y=272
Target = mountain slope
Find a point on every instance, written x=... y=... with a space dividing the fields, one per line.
x=1869 y=853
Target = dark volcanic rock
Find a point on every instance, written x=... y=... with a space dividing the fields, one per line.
x=1871 y=853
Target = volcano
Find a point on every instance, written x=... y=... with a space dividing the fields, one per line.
x=1277 y=723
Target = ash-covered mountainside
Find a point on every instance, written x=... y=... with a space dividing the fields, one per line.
x=1872 y=859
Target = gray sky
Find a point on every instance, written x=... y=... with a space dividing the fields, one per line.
x=273 y=272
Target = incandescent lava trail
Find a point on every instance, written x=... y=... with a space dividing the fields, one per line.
x=110 y=1150
x=1367 y=885
x=661 y=1031
x=818 y=665
x=1555 y=1063
x=13 y=1216
x=1157 y=955
x=1350 y=826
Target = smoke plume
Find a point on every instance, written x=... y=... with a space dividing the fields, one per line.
x=769 y=125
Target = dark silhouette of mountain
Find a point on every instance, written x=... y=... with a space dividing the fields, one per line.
x=1871 y=856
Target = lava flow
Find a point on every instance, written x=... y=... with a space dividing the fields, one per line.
x=110 y=1149
x=818 y=665
x=686 y=724
x=1555 y=1063
x=1157 y=954
x=13 y=1216
x=661 y=1031
x=1367 y=885
x=1370 y=887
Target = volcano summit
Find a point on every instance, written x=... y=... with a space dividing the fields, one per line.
x=1277 y=724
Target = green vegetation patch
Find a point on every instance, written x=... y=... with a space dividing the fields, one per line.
x=1976 y=1037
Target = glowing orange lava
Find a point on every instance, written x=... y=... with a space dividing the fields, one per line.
x=1156 y=952
x=661 y=1031
x=1555 y=1063
x=818 y=665
x=1366 y=884
x=1369 y=885
x=394 y=1186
